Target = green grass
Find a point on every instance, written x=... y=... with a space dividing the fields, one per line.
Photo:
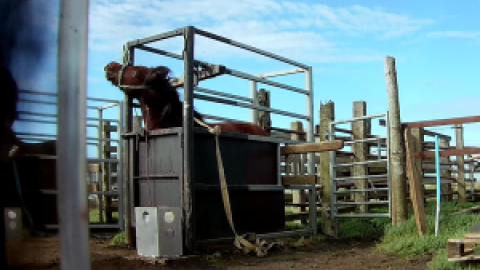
x=351 y=228
x=95 y=216
x=404 y=240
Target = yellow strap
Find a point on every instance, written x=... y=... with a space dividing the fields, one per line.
x=260 y=248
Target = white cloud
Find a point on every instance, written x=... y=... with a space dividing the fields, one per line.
x=289 y=28
x=455 y=34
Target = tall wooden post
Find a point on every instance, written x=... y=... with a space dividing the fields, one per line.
x=447 y=188
x=417 y=145
x=397 y=146
x=360 y=151
x=462 y=193
x=327 y=115
x=106 y=154
x=264 y=119
x=298 y=196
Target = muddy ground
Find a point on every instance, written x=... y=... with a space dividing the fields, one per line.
x=43 y=253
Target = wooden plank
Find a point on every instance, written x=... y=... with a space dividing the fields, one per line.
x=442 y=122
x=318 y=147
x=93 y=168
x=93 y=187
x=414 y=177
x=108 y=148
x=449 y=153
x=290 y=180
x=110 y=128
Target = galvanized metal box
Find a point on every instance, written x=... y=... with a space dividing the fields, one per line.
x=13 y=224
x=159 y=231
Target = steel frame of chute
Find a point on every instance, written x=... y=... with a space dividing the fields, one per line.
x=72 y=79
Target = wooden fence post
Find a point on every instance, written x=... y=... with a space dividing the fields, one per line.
x=298 y=196
x=461 y=165
x=445 y=144
x=264 y=119
x=360 y=151
x=327 y=115
x=397 y=146
x=106 y=154
x=417 y=145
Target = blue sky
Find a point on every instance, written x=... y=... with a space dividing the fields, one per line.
x=435 y=44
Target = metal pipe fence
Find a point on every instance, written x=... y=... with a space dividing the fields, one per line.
x=44 y=122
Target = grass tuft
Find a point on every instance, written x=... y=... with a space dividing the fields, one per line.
x=404 y=240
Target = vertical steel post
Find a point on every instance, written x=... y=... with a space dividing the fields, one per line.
x=127 y=153
x=120 y=171
x=254 y=97
x=311 y=156
x=101 y=172
x=71 y=142
x=188 y=181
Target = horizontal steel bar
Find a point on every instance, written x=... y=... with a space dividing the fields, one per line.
x=281 y=73
x=361 y=177
x=249 y=106
x=228 y=71
x=55 y=116
x=363 y=216
x=21 y=119
x=249 y=48
x=106 y=160
x=362 y=203
x=242 y=187
x=221 y=94
x=40 y=93
x=360 y=163
x=213 y=117
x=365 y=140
x=359 y=118
x=54 y=135
x=42 y=102
x=91 y=226
x=360 y=190
x=247 y=76
x=266 y=235
x=105 y=193
x=297 y=187
x=154 y=38
x=108 y=106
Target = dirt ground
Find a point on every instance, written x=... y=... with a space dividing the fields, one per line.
x=43 y=253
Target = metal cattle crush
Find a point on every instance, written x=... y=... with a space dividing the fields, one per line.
x=175 y=171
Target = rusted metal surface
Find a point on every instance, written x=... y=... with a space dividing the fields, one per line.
x=442 y=122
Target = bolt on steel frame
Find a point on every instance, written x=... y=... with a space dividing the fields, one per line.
x=189 y=87
x=334 y=180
